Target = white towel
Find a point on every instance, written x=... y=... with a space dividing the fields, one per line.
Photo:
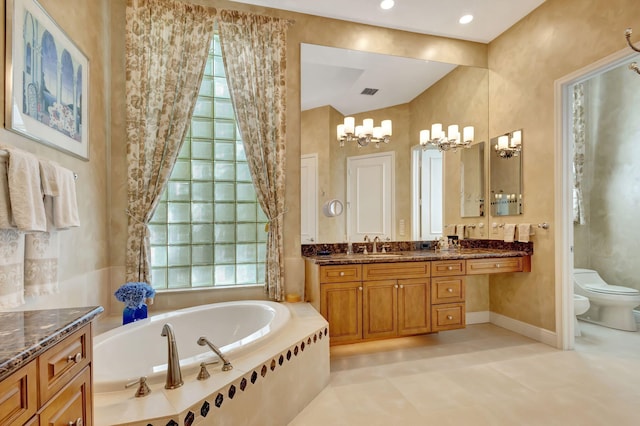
x=41 y=263
x=509 y=232
x=449 y=230
x=524 y=231
x=59 y=188
x=25 y=191
x=6 y=218
x=460 y=232
x=11 y=268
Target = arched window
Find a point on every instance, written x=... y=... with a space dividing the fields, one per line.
x=66 y=86
x=49 y=81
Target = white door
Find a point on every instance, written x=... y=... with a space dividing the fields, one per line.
x=426 y=194
x=309 y=199
x=370 y=198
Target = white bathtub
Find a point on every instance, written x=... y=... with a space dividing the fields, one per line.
x=137 y=349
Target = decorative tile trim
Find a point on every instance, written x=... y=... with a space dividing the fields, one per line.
x=261 y=372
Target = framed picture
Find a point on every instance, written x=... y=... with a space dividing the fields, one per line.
x=46 y=79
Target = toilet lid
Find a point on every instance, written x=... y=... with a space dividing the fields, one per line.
x=611 y=289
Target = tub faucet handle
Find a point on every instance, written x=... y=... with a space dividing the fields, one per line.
x=203 y=374
x=143 y=388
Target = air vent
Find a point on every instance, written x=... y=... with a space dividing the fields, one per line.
x=369 y=91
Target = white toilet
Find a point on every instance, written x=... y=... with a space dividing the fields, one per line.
x=610 y=305
x=580 y=306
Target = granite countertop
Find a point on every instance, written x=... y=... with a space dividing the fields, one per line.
x=413 y=256
x=25 y=335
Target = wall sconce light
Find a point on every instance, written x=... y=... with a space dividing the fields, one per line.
x=633 y=65
x=451 y=141
x=509 y=145
x=364 y=134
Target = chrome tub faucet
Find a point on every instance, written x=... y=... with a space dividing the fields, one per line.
x=226 y=365
x=174 y=375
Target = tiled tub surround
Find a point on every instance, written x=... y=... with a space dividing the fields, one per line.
x=295 y=363
x=25 y=335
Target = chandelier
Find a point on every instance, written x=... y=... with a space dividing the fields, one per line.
x=364 y=134
x=452 y=141
x=632 y=66
x=509 y=145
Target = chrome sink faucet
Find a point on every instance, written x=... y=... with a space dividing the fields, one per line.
x=174 y=375
x=375 y=240
x=226 y=365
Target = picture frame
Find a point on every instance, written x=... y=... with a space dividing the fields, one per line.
x=46 y=80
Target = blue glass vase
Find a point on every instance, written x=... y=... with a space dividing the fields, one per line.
x=134 y=314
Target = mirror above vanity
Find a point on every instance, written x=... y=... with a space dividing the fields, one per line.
x=412 y=93
x=506 y=174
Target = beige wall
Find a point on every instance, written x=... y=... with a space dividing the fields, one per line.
x=83 y=268
x=611 y=190
x=558 y=38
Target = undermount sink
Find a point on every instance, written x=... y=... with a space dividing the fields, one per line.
x=385 y=254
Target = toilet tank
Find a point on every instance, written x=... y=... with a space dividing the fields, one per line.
x=587 y=276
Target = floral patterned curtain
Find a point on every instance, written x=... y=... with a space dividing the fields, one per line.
x=579 y=149
x=167 y=43
x=254 y=51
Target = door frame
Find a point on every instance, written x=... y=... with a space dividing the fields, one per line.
x=563 y=215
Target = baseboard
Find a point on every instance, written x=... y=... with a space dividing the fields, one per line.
x=477 y=317
x=536 y=333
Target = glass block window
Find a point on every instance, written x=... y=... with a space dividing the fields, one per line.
x=209 y=230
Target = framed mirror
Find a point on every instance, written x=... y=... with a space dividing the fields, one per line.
x=505 y=166
x=410 y=93
x=472 y=181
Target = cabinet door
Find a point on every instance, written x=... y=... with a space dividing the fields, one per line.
x=341 y=305
x=19 y=396
x=72 y=405
x=413 y=306
x=380 y=310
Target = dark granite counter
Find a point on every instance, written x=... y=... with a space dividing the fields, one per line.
x=25 y=335
x=415 y=255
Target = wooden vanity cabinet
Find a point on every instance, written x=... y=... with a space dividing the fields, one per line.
x=396 y=299
x=341 y=306
x=54 y=389
x=447 y=295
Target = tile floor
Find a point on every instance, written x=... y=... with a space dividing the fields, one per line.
x=482 y=375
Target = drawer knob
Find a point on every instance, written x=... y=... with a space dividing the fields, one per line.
x=449 y=317
x=450 y=290
x=342 y=274
x=497 y=265
x=78 y=422
x=450 y=268
x=75 y=358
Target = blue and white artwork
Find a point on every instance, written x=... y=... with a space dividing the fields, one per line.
x=50 y=76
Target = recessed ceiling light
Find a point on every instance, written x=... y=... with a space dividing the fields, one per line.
x=386 y=4
x=466 y=19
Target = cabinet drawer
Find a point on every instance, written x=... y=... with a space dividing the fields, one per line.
x=340 y=273
x=444 y=268
x=19 y=396
x=447 y=290
x=58 y=365
x=447 y=317
x=495 y=265
x=73 y=405
x=399 y=270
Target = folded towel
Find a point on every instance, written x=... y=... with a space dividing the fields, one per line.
x=6 y=218
x=41 y=263
x=509 y=232
x=449 y=230
x=460 y=231
x=49 y=178
x=524 y=231
x=60 y=195
x=11 y=268
x=25 y=191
